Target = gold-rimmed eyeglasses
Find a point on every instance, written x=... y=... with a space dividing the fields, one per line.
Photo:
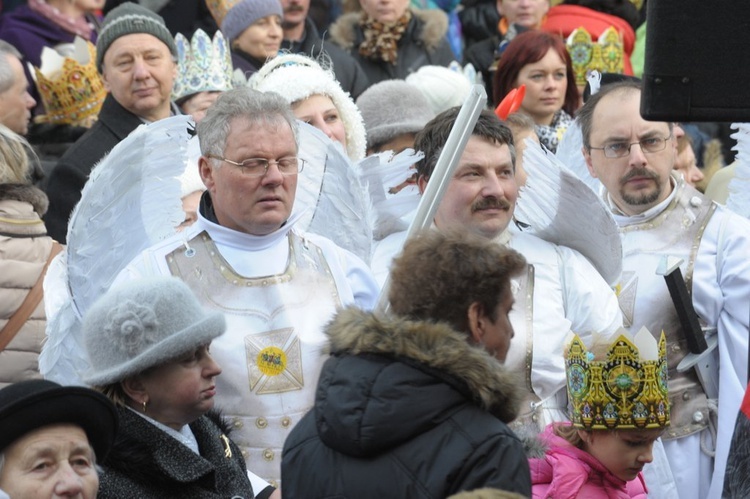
x=620 y=149
x=257 y=167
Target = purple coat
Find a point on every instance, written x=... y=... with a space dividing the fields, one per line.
x=29 y=32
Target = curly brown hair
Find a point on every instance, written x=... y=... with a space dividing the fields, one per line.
x=440 y=275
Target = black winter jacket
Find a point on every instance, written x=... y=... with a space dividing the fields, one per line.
x=348 y=71
x=72 y=171
x=145 y=462
x=405 y=409
x=423 y=43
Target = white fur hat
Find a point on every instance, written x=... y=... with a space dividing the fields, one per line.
x=296 y=77
x=143 y=324
x=443 y=87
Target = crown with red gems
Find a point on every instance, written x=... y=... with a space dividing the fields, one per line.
x=70 y=87
x=606 y=55
x=627 y=390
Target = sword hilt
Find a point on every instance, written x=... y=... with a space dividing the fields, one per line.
x=669 y=267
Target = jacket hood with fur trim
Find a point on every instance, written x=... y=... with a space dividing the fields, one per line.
x=27 y=194
x=390 y=379
x=434 y=27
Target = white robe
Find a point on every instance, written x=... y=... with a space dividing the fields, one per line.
x=721 y=297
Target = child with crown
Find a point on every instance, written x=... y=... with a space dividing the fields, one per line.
x=619 y=408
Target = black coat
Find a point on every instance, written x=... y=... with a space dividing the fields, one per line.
x=145 y=462
x=405 y=409
x=72 y=171
x=423 y=43
x=348 y=71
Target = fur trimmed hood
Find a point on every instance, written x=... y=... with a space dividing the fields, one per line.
x=435 y=346
x=433 y=27
x=26 y=194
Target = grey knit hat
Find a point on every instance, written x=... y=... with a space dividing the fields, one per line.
x=245 y=13
x=127 y=19
x=391 y=108
x=142 y=324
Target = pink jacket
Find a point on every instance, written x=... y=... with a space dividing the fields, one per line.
x=566 y=472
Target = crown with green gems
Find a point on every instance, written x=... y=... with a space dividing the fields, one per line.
x=627 y=390
x=606 y=54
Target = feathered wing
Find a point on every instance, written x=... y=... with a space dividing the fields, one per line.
x=560 y=208
x=330 y=195
x=130 y=202
x=739 y=187
x=569 y=153
x=391 y=183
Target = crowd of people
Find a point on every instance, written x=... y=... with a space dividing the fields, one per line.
x=213 y=285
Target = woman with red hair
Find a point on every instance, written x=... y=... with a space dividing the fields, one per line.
x=540 y=61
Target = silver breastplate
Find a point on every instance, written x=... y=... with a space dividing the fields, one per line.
x=273 y=349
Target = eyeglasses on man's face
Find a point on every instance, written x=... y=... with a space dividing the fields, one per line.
x=620 y=149
x=257 y=167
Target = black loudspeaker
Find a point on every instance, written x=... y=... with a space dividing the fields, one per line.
x=697 y=65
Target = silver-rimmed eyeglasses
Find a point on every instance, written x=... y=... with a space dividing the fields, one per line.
x=620 y=149
x=257 y=167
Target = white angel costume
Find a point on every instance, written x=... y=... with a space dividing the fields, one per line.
x=276 y=291
x=714 y=245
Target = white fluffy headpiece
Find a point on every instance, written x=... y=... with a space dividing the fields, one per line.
x=296 y=77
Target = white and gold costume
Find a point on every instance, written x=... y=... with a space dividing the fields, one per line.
x=276 y=291
x=715 y=247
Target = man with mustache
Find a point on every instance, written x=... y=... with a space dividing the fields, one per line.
x=136 y=56
x=301 y=37
x=559 y=292
x=660 y=215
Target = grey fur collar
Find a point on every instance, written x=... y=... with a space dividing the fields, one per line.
x=434 y=28
x=27 y=194
x=436 y=345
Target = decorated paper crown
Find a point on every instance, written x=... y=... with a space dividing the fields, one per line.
x=70 y=87
x=628 y=390
x=219 y=8
x=606 y=55
x=203 y=65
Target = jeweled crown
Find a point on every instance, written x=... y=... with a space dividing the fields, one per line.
x=71 y=88
x=628 y=390
x=202 y=64
x=219 y=8
x=606 y=55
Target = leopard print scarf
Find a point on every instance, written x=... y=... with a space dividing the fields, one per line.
x=381 y=40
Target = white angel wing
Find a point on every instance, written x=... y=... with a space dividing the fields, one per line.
x=130 y=202
x=330 y=195
x=560 y=208
x=739 y=187
x=569 y=153
x=390 y=181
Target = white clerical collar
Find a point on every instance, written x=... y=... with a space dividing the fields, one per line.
x=623 y=219
x=240 y=240
x=184 y=436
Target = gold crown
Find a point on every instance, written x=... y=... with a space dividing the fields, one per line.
x=70 y=87
x=628 y=390
x=638 y=3
x=219 y=8
x=203 y=65
x=606 y=55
